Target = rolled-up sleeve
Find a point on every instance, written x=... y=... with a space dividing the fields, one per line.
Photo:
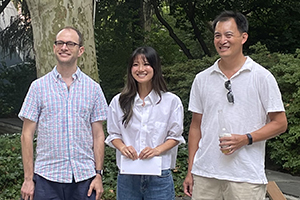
x=176 y=122
x=113 y=122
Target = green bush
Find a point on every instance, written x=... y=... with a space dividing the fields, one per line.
x=179 y=78
x=11 y=169
x=12 y=176
x=284 y=149
x=110 y=174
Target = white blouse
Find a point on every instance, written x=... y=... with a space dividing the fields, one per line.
x=151 y=125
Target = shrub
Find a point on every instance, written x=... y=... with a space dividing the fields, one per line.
x=284 y=149
x=180 y=78
x=12 y=176
x=11 y=169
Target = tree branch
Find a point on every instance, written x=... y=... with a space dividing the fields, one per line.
x=191 y=15
x=171 y=32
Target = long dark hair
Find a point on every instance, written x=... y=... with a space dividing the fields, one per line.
x=130 y=90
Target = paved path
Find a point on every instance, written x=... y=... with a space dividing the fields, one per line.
x=10 y=125
x=288 y=184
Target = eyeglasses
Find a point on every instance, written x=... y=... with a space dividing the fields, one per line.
x=229 y=94
x=69 y=44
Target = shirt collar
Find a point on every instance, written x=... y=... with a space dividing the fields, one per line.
x=245 y=67
x=76 y=75
x=152 y=97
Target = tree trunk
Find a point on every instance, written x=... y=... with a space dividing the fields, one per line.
x=48 y=17
x=147 y=15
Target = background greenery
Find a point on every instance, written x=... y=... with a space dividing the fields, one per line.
x=180 y=32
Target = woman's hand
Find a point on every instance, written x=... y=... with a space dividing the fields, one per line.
x=129 y=152
x=149 y=153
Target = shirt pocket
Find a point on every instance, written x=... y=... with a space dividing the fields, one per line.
x=159 y=133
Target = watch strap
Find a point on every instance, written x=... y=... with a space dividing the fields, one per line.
x=99 y=172
x=250 y=139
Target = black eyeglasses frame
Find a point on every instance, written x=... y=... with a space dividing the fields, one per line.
x=69 y=44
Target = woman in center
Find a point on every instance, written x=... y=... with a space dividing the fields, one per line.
x=145 y=121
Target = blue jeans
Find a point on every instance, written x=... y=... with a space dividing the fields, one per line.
x=146 y=187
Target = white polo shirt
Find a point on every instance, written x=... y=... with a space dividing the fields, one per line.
x=256 y=94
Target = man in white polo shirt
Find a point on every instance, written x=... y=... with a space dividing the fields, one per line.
x=253 y=111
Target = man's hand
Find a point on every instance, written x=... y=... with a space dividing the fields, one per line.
x=27 y=190
x=96 y=185
x=188 y=184
x=233 y=143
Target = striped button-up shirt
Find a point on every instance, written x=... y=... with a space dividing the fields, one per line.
x=64 y=117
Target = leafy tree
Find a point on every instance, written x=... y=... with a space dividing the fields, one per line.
x=275 y=23
x=18 y=36
x=272 y=22
x=119 y=27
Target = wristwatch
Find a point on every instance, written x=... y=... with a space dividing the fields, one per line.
x=250 y=139
x=99 y=172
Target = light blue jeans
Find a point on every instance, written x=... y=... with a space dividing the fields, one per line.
x=146 y=187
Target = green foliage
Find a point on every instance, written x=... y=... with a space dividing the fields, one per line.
x=110 y=174
x=14 y=83
x=117 y=34
x=159 y=39
x=272 y=22
x=11 y=169
x=180 y=78
x=119 y=29
x=284 y=149
x=180 y=170
x=18 y=36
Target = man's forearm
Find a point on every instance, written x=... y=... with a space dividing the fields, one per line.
x=27 y=148
x=99 y=146
x=99 y=153
x=27 y=157
x=192 y=148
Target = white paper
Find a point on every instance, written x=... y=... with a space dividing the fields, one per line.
x=151 y=166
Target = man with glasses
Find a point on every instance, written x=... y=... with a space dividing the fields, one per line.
x=252 y=112
x=66 y=108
